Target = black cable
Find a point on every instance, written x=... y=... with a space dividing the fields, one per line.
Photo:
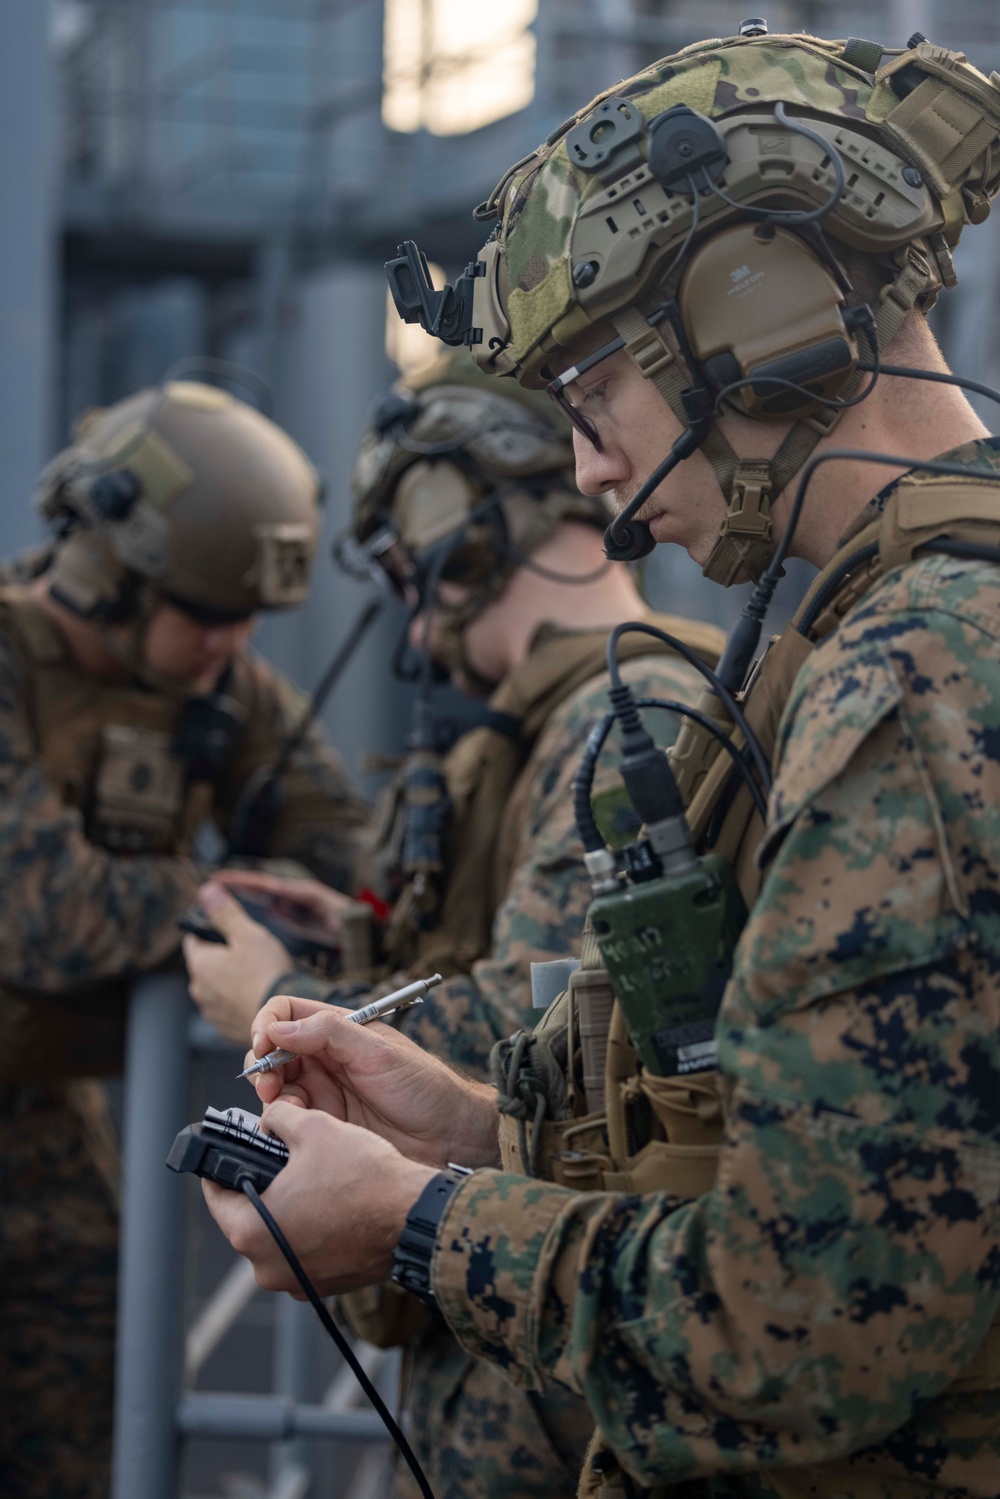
x=957 y=548
x=583 y=780
x=832 y=586
x=331 y=1327
x=224 y=369
x=862 y=455
x=792 y=216
x=524 y=559
x=237 y=374
x=717 y=732
x=912 y=372
x=837 y=403
x=641 y=627
x=744 y=636
x=689 y=236
x=328 y=681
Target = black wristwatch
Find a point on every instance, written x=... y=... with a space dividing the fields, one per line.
x=411 y=1260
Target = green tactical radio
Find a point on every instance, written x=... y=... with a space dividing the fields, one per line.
x=666 y=920
x=668 y=943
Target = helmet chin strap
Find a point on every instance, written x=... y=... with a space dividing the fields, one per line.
x=745 y=544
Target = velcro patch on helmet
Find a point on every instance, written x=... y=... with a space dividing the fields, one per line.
x=280 y=573
x=162 y=472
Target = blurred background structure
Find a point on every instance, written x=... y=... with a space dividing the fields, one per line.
x=227 y=177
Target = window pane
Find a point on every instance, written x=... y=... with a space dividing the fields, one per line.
x=452 y=67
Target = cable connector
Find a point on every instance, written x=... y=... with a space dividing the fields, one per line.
x=671 y=842
x=644 y=768
x=602 y=866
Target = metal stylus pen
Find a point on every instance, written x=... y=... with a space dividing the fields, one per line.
x=401 y=999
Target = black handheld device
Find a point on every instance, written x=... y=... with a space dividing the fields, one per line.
x=290 y=923
x=229 y=1147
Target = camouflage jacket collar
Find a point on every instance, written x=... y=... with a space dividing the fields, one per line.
x=981 y=453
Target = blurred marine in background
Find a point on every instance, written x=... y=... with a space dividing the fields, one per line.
x=131 y=717
x=464 y=497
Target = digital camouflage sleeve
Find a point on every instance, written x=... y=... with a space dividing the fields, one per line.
x=541 y=915
x=846 y=1267
x=71 y=912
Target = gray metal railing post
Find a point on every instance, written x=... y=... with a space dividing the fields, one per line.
x=150 y=1314
x=153 y=1413
x=295 y=1361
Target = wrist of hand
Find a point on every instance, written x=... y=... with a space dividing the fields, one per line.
x=400 y=1188
x=476 y=1141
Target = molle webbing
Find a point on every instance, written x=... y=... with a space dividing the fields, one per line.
x=948 y=122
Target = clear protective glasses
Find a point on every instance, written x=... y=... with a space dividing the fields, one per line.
x=557 y=390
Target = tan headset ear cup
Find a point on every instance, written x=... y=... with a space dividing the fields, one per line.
x=431 y=501
x=759 y=302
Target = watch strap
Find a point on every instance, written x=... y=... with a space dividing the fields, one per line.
x=411 y=1260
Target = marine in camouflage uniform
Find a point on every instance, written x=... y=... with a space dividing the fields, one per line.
x=823 y=1321
x=825 y=1302
x=515 y=889
x=98 y=813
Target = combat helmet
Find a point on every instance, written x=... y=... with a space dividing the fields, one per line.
x=687 y=216
x=183 y=493
x=460 y=480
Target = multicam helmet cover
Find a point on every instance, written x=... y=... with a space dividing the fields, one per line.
x=587 y=237
x=919 y=135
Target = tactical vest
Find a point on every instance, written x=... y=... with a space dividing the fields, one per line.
x=110 y=752
x=663 y=1134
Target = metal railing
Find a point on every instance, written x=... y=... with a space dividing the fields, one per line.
x=155 y=1361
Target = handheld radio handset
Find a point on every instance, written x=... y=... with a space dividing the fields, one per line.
x=668 y=922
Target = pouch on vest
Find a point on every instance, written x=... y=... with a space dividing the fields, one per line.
x=138 y=793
